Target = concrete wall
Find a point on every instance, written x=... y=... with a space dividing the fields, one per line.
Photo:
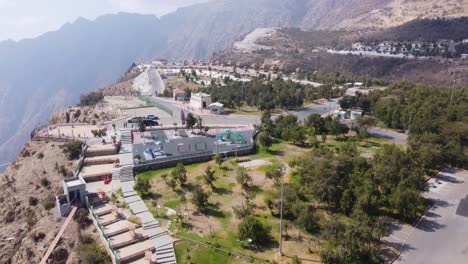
x=194 y=158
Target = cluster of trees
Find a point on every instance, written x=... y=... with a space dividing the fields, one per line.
x=435 y=117
x=91 y=99
x=365 y=191
x=289 y=128
x=266 y=95
x=390 y=183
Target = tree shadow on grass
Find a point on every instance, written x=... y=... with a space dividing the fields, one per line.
x=254 y=189
x=153 y=196
x=221 y=191
x=276 y=152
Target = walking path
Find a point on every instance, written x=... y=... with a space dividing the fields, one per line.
x=58 y=236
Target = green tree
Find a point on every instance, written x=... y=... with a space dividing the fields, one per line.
x=190 y=121
x=200 y=198
x=243 y=178
x=209 y=176
x=244 y=210
x=142 y=186
x=180 y=174
x=73 y=149
x=316 y=122
x=141 y=125
x=252 y=228
x=265 y=140
x=218 y=159
x=274 y=172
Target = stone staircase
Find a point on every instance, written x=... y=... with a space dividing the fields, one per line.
x=166 y=255
x=126 y=174
x=126 y=136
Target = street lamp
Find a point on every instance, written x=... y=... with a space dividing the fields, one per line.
x=280 y=252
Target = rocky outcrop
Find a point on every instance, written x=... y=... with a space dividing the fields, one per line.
x=74 y=115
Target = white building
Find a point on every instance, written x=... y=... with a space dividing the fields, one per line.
x=355 y=91
x=356 y=113
x=216 y=108
x=340 y=115
x=200 y=100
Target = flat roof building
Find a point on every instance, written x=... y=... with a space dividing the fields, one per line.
x=200 y=100
x=216 y=108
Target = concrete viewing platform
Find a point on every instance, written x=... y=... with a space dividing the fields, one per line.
x=96 y=172
x=127 y=238
x=134 y=251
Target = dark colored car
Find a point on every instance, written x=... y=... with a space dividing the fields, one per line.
x=150 y=122
x=134 y=120
x=151 y=117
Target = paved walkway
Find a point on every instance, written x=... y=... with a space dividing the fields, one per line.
x=58 y=236
x=441 y=236
x=162 y=241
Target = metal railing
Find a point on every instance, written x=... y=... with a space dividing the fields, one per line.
x=103 y=234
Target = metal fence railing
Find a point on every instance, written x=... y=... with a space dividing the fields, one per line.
x=103 y=234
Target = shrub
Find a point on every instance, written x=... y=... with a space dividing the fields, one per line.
x=59 y=256
x=31 y=219
x=91 y=99
x=33 y=201
x=44 y=182
x=10 y=217
x=49 y=202
x=81 y=217
x=37 y=236
x=94 y=254
x=73 y=149
x=86 y=239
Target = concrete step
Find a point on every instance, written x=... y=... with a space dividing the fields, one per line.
x=166 y=260
x=171 y=247
x=164 y=251
x=165 y=256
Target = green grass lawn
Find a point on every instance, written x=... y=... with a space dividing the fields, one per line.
x=187 y=251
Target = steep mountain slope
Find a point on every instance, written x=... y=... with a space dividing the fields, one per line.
x=42 y=74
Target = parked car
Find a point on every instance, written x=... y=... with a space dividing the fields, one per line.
x=150 y=122
x=152 y=117
x=134 y=120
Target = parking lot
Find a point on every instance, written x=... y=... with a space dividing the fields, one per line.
x=441 y=236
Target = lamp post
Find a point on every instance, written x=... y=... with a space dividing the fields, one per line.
x=280 y=252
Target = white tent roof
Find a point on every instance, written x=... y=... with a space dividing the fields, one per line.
x=216 y=104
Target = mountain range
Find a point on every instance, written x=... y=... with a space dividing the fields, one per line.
x=39 y=75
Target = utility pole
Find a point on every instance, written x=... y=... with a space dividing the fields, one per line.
x=409 y=123
x=280 y=252
x=453 y=88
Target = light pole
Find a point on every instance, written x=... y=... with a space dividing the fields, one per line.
x=280 y=252
x=453 y=88
x=409 y=123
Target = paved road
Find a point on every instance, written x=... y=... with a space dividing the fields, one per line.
x=317 y=108
x=389 y=135
x=442 y=234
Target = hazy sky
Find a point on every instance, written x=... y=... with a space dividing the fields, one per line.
x=29 y=18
